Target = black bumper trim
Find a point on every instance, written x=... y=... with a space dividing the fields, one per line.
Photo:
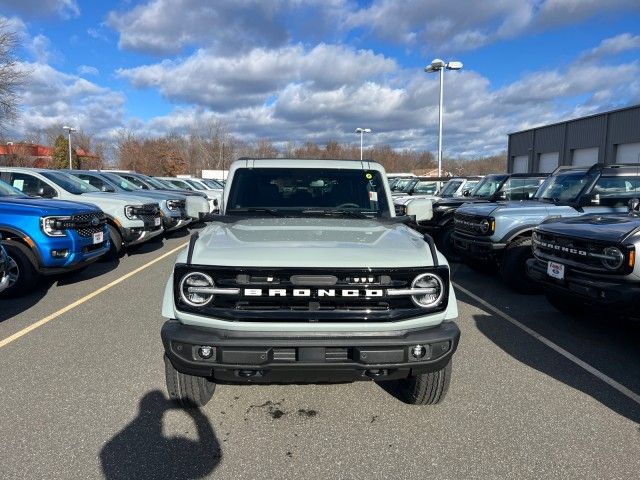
x=293 y=356
x=620 y=296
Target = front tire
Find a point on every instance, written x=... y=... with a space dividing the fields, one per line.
x=188 y=391
x=115 y=243
x=22 y=275
x=513 y=266
x=447 y=246
x=426 y=388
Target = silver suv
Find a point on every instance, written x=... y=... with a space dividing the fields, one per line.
x=308 y=276
x=131 y=219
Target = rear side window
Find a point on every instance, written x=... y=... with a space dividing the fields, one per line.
x=616 y=191
x=28 y=184
x=521 y=188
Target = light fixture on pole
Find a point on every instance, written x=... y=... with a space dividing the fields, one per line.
x=69 y=130
x=362 y=131
x=438 y=65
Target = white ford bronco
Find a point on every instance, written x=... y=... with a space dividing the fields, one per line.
x=308 y=276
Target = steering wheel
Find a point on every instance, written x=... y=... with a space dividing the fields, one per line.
x=346 y=205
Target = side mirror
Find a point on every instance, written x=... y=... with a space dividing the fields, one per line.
x=421 y=209
x=634 y=205
x=590 y=199
x=46 y=192
x=107 y=188
x=466 y=193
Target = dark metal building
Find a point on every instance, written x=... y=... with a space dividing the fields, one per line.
x=609 y=137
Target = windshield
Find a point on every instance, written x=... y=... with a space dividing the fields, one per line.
x=427 y=187
x=212 y=184
x=121 y=182
x=403 y=184
x=450 y=188
x=7 y=190
x=308 y=191
x=488 y=186
x=195 y=184
x=154 y=182
x=563 y=187
x=69 y=183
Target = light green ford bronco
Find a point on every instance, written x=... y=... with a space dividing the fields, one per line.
x=308 y=276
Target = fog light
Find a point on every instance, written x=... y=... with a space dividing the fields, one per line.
x=418 y=351
x=205 y=352
x=59 y=253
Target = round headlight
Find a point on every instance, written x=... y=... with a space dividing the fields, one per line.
x=484 y=226
x=195 y=279
x=614 y=258
x=435 y=288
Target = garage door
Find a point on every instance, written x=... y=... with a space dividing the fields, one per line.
x=584 y=157
x=521 y=164
x=628 y=153
x=548 y=162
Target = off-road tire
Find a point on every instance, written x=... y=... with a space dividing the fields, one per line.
x=566 y=305
x=446 y=245
x=513 y=267
x=27 y=275
x=115 y=246
x=187 y=390
x=426 y=388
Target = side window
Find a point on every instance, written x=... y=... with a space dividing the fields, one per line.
x=135 y=181
x=91 y=180
x=521 y=188
x=30 y=185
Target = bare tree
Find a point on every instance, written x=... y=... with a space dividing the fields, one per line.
x=12 y=77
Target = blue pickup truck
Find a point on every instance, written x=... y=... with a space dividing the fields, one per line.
x=46 y=237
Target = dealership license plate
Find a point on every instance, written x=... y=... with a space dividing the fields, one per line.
x=555 y=270
x=98 y=237
x=157 y=221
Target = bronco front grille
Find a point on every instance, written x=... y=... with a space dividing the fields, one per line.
x=311 y=295
x=468 y=223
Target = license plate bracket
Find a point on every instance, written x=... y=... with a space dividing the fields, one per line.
x=555 y=270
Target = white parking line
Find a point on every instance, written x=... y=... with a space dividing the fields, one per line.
x=6 y=341
x=572 y=358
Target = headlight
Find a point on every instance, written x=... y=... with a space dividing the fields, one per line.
x=613 y=258
x=130 y=211
x=195 y=279
x=54 y=226
x=487 y=225
x=173 y=205
x=434 y=290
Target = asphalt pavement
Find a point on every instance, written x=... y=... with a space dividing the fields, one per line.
x=83 y=395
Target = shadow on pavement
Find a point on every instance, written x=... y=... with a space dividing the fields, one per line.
x=11 y=306
x=152 y=245
x=141 y=450
x=535 y=354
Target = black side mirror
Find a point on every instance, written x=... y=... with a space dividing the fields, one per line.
x=107 y=188
x=634 y=205
x=466 y=193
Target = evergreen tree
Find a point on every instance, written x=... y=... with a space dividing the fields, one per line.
x=61 y=154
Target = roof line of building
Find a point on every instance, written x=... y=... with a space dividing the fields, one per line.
x=576 y=119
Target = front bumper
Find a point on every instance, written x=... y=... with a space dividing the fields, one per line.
x=137 y=235
x=172 y=224
x=286 y=357
x=479 y=247
x=617 y=295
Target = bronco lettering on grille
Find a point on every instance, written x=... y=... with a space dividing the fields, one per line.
x=306 y=292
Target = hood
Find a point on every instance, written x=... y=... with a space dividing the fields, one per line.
x=523 y=207
x=156 y=195
x=126 y=199
x=311 y=242
x=186 y=193
x=404 y=199
x=600 y=228
x=44 y=207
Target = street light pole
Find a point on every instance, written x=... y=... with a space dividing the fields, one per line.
x=439 y=66
x=69 y=130
x=362 y=131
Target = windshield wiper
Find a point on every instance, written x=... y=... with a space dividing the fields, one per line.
x=271 y=211
x=336 y=212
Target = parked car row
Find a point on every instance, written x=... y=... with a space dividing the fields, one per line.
x=573 y=234
x=58 y=221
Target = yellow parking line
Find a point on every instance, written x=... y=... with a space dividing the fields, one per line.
x=73 y=305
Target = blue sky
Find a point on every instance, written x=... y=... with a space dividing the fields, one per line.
x=298 y=70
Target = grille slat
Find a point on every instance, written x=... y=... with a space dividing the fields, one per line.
x=572 y=251
x=468 y=223
x=82 y=223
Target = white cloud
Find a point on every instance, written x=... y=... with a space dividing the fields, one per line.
x=225 y=83
x=38 y=8
x=88 y=70
x=612 y=46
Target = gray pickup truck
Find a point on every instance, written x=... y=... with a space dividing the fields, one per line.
x=308 y=276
